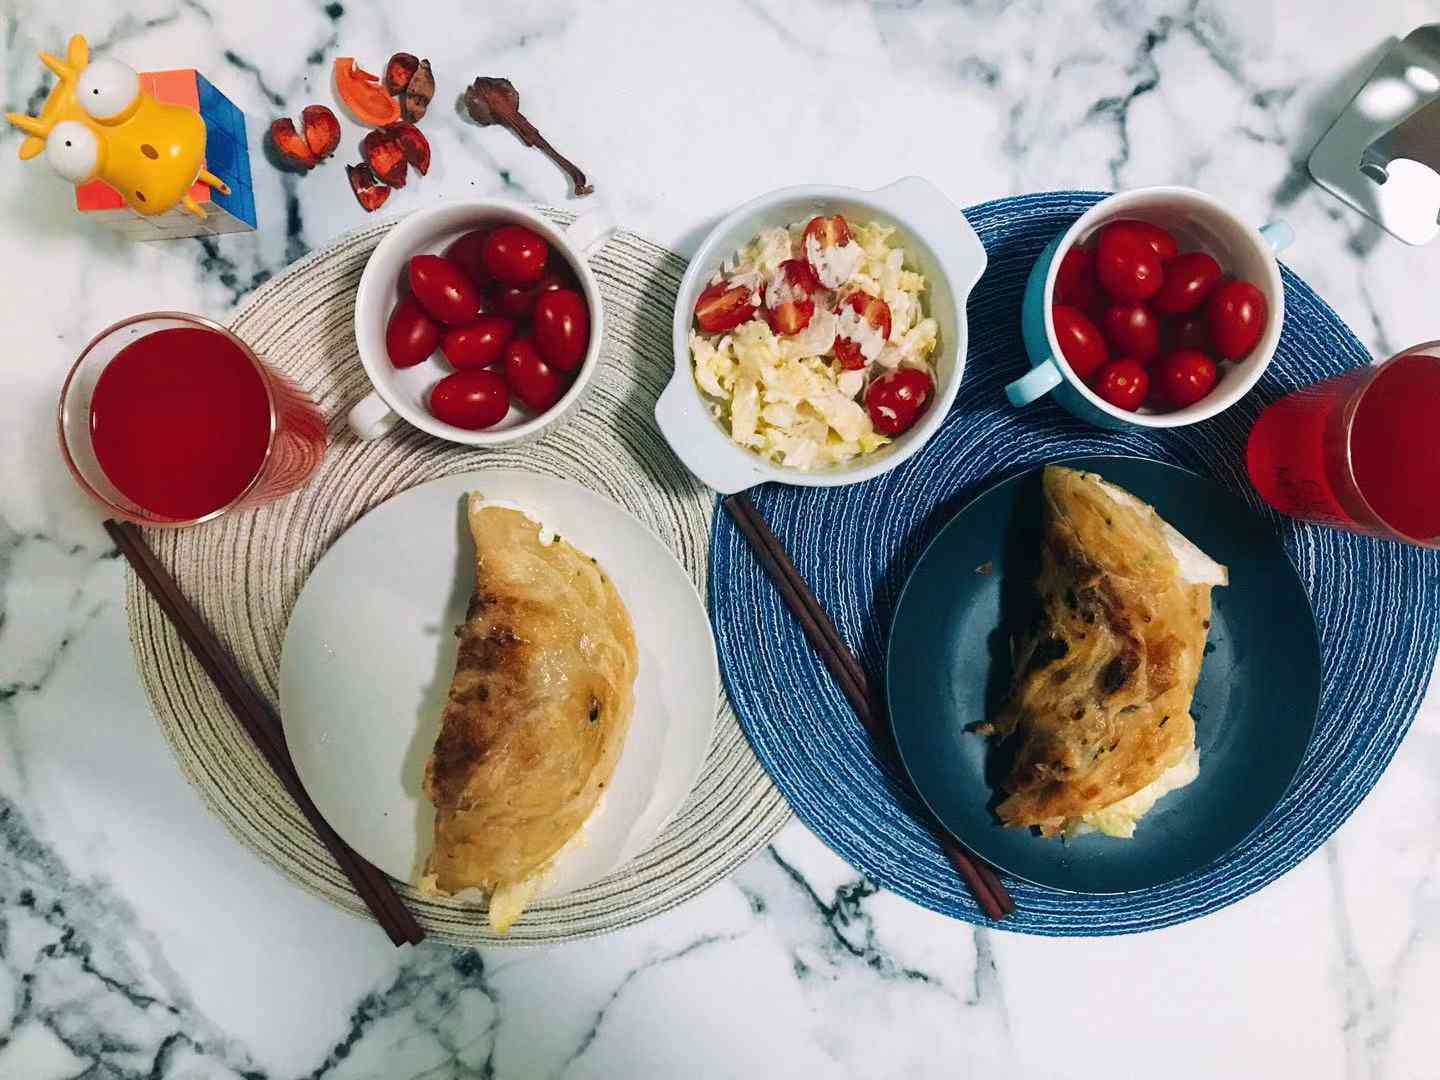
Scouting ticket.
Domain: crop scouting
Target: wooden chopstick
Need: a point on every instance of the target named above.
(850, 676)
(262, 724)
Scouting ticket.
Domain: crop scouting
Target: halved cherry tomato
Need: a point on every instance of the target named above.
(1235, 315)
(531, 379)
(1189, 280)
(467, 252)
(1075, 282)
(410, 335)
(1123, 383)
(876, 313)
(364, 94)
(480, 344)
(826, 233)
(562, 328)
(724, 306)
(1131, 329)
(516, 255)
(470, 399)
(443, 290)
(1184, 377)
(1126, 263)
(895, 401)
(1080, 342)
(788, 303)
(1160, 241)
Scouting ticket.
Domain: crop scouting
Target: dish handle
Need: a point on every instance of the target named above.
(929, 213)
(698, 443)
(371, 417)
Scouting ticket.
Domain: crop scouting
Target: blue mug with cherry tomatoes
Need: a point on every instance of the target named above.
(1197, 222)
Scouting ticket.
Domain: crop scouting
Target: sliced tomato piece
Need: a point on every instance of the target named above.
(876, 313)
(364, 94)
(788, 303)
(723, 307)
(828, 232)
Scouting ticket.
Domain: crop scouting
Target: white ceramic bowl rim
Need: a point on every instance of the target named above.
(926, 219)
(1216, 402)
(375, 288)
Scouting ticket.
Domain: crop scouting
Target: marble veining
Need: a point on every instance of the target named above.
(138, 939)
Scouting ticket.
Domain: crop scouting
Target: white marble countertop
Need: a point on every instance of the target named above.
(137, 938)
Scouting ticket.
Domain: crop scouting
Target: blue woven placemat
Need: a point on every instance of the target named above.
(1377, 604)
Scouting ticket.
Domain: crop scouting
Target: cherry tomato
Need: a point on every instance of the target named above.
(518, 301)
(480, 344)
(443, 290)
(788, 304)
(895, 401)
(1131, 329)
(1184, 377)
(723, 307)
(1080, 342)
(1189, 279)
(1126, 264)
(1235, 315)
(470, 400)
(1160, 241)
(411, 335)
(531, 379)
(876, 313)
(1075, 282)
(468, 253)
(1123, 383)
(826, 232)
(562, 328)
(515, 255)
(1185, 332)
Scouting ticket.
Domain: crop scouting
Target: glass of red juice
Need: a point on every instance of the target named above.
(1360, 451)
(169, 419)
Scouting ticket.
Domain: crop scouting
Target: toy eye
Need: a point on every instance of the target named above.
(107, 88)
(73, 151)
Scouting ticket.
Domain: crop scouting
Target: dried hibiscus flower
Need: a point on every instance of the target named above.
(322, 130)
(292, 147)
(414, 144)
(399, 71)
(496, 101)
(370, 193)
(385, 156)
(419, 90)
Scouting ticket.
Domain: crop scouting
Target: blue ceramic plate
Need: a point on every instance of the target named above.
(1255, 705)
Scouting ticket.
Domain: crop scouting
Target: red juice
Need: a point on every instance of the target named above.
(1361, 450)
(180, 422)
(1395, 447)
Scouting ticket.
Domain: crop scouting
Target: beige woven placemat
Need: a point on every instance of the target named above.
(245, 571)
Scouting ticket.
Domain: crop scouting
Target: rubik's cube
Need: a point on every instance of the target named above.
(227, 155)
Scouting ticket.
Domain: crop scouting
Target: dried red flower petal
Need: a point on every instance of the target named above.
(322, 130)
(369, 192)
(414, 144)
(418, 93)
(399, 71)
(290, 145)
(385, 155)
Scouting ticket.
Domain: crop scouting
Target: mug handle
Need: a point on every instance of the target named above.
(590, 231)
(1278, 234)
(371, 417)
(1035, 383)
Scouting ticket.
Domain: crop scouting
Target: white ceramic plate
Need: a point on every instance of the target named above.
(369, 653)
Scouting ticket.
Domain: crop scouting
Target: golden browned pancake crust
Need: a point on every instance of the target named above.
(1101, 700)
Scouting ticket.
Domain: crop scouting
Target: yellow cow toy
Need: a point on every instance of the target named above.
(98, 123)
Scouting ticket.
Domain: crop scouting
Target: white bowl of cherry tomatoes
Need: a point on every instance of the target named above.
(478, 322)
(1157, 308)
